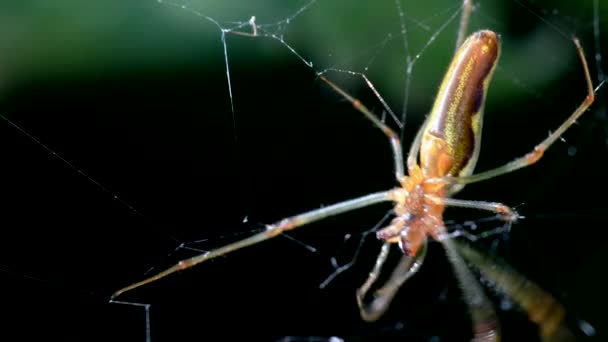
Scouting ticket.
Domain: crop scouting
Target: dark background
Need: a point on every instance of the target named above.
(134, 97)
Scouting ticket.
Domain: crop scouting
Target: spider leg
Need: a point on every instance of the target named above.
(485, 323)
(467, 8)
(412, 156)
(271, 231)
(504, 211)
(542, 308)
(392, 136)
(407, 267)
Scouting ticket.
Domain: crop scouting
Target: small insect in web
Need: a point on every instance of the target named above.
(439, 164)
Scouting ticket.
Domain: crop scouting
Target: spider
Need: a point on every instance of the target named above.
(439, 164)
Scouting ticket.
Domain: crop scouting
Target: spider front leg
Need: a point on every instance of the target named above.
(271, 231)
(505, 212)
(538, 151)
(392, 136)
(483, 315)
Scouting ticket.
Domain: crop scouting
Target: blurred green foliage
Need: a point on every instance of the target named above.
(42, 39)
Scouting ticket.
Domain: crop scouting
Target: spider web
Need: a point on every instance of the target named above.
(154, 148)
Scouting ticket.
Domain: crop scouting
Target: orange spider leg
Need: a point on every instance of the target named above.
(271, 231)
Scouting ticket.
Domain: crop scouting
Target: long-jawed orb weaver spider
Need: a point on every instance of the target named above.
(439, 163)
